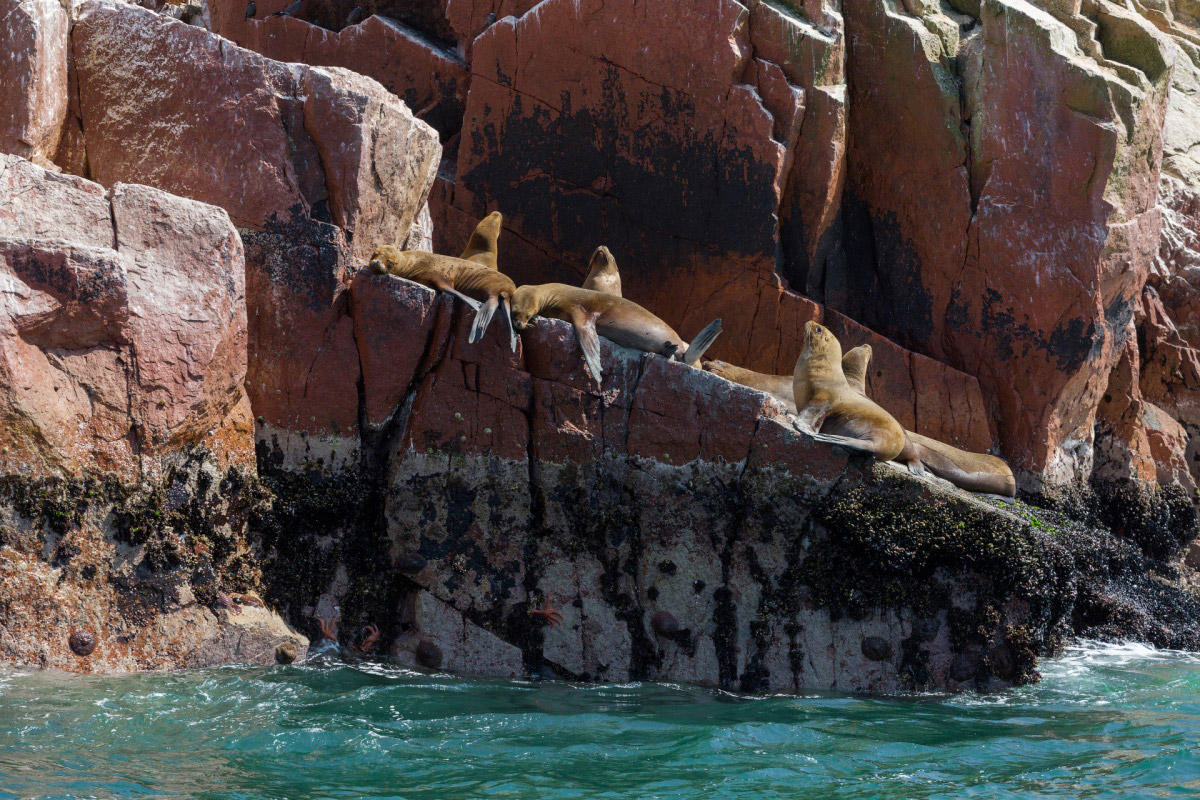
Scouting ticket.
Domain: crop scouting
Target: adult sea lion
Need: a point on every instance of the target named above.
(975, 472)
(480, 287)
(781, 387)
(602, 273)
(482, 247)
(830, 409)
(594, 314)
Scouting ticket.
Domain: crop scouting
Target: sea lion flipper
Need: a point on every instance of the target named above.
(915, 467)
(702, 342)
(483, 318)
(472, 302)
(589, 340)
(845, 441)
(512, 332)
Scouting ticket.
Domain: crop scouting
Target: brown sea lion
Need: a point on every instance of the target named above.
(602, 273)
(830, 409)
(594, 314)
(482, 248)
(975, 472)
(480, 287)
(781, 387)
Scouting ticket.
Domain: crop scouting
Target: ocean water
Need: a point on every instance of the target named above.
(1106, 721)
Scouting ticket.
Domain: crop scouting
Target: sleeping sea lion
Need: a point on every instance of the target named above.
(468, 280)
(594, 314)
(602, 273)
(830, 409)
(482, 248)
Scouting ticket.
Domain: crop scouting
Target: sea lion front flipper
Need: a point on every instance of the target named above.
(589, 340)
(916, 467)
(512, 332)
(483, 318)
(702, 342)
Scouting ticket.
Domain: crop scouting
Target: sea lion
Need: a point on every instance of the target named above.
(594, 314)
(781, 387)
(468, 280)
(482, 247)
(602, 273)
(830, 409)
(975, 472)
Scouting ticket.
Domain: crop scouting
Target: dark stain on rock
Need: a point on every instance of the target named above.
(428, 654)
(876, 648)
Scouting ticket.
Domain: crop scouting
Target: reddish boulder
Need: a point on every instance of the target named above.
(125, 341)
(316, 166)
(33, 77)
(1006, 269)
(429, 78)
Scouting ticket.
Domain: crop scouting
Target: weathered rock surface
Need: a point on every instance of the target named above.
(902, 165)
(497, 482)
(315, 166)
(891, 171)
(33, 77)
(127, 443)
(123, 328)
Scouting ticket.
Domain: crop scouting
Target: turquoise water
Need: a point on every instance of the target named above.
(1107, 721)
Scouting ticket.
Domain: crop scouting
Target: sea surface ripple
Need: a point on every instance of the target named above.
(1119, 721)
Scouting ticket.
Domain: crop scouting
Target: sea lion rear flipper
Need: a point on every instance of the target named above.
(483, 317)
(845, 441)
(512, 332)
(589, 340)
(472, 302)
(702, 342)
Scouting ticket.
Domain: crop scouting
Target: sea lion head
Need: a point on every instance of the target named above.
(489, 226)
(388, 259)
(525, 306)
(854, 366)
(602, 258)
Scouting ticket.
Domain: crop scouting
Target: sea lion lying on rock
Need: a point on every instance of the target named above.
(594, 314)
(480, 287)
(602, 273)
(830, 410)
(975, 472)
(781, 386)
(483, 246)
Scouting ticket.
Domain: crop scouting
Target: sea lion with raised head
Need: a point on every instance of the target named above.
(975, 472)
(830, 409)
(483, 246)
(602, 273)
(594, 314)
(781, 387)
(481, 288)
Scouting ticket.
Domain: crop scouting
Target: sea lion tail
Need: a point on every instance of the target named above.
(506, 302)
(702, 342)
(483, 318)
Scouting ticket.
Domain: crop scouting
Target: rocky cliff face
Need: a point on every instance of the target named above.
(207, 398)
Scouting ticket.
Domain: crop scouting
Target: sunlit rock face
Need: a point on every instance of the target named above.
(209, 398)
